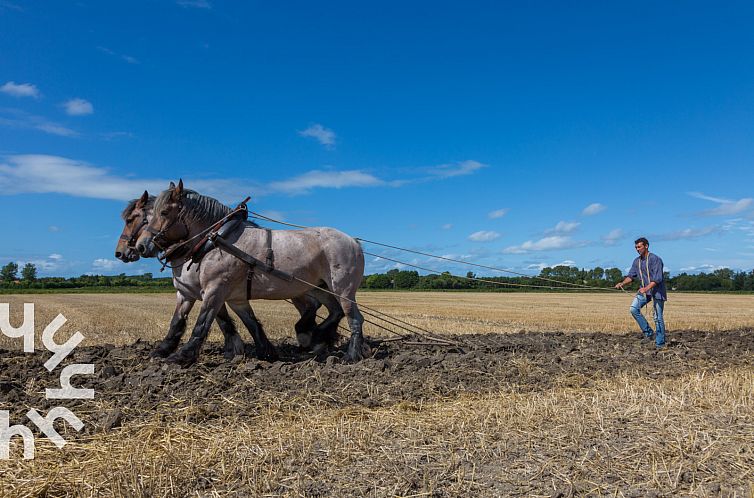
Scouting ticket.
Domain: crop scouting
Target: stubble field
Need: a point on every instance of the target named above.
(538, 395)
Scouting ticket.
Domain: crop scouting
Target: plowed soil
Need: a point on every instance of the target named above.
(135, 386)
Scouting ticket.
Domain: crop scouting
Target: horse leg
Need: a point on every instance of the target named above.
(326, 333)
(307, 307)
(233, 343)
(188, 354)
(265, 349)
(357, 349)
(177, 327)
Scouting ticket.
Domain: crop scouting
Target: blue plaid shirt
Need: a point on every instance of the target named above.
(656, 269)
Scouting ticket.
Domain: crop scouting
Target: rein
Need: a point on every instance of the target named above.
(172, 252)
(131, 240)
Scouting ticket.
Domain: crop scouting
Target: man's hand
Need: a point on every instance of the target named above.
(619, 285)
(643, 290)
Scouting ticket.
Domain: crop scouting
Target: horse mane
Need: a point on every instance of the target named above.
(197, 208)
(132, 204)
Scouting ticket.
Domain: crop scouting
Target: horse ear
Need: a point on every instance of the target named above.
(144, 198)
(171, 186)
(178, 191)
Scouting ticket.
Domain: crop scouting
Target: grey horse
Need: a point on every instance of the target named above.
(136, 217)
(322, 262)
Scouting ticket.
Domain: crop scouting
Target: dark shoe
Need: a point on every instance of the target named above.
(660, 346)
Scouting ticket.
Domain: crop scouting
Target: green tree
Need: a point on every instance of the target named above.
(378, 281)
(405, 279)
(613, 275)
(9, 272)
(29, 272)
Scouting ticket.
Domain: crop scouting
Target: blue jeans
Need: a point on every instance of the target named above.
(659, 306)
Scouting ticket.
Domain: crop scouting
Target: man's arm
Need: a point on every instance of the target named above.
(632, 274)
(623, 282)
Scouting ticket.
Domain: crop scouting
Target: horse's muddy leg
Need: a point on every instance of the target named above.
(357, 348)
(177, 328)
(264, 348)
(234, 345)
(307, 307)
(326, 333)
(189, 353)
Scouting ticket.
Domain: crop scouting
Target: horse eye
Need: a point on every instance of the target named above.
(165, 212)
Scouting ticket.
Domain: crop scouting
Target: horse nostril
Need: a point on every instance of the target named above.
(141, 249)
(118, 254)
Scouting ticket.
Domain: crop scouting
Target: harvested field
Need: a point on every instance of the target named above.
(541, 395)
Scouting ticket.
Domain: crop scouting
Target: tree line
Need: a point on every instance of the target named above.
(27, 279)
(725, 280)
(719, 280)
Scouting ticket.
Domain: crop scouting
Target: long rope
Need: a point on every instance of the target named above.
(572, 284)
(476, 279)
(345, 329)
(424, 332)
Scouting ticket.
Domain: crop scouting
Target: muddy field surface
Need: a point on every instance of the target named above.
(130, 386)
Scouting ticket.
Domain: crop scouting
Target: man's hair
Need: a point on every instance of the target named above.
(643, 240)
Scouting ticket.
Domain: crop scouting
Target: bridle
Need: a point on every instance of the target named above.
(158, 239)
(131, 239)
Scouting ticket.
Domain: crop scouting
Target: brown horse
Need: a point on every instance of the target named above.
(136, 216)
(323, 262)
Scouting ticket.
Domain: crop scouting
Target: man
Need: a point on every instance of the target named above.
(648, 268)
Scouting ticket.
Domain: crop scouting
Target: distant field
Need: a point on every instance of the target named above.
(545, 395)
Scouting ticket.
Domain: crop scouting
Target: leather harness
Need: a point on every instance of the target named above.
(217, 239)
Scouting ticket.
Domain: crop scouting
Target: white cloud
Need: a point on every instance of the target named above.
(593, 209)
(323, 135)
(53, 228)
(613, 237)
(56, 129)
(19, 89)
(102, 264)
(563, 228)
(78, 107)
(4, 4)
(727, 207)
(325, 179)
(498, 213)
(44, 174)
(51, 263)
(447, 226)
(461, 168)
(550, 243)
(113, 53)
(15, 118)
(484, 236)
(687, 233)
(196, 4)
(702, 268)
(54, 174)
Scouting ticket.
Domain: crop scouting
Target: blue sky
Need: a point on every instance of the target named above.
(514, 134)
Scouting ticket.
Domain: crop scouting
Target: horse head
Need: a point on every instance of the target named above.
(167, 225)
(136, 217)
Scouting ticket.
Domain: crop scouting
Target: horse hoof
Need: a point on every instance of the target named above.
(267, 354)
(159, 353)
(357, 350)
(181, 359)
(304, 339)
(319, 348)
